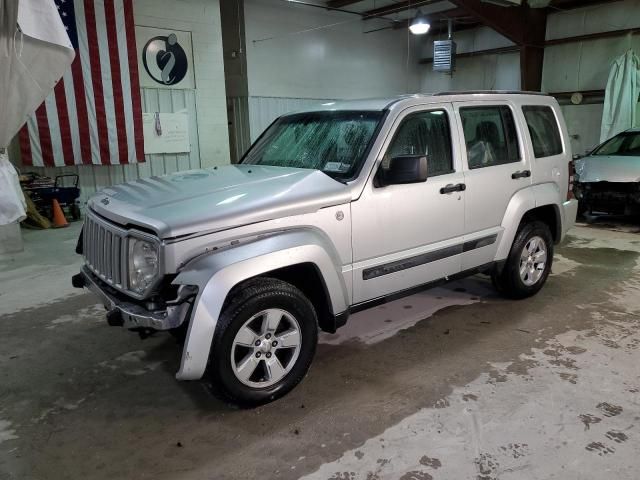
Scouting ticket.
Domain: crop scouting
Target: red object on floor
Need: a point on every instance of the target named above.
(59, 219)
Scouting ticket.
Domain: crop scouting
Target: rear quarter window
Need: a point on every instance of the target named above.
(544, 131)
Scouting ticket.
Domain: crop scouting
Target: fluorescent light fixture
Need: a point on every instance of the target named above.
(419, 25)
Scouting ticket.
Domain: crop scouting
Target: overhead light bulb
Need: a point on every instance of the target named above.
(419, 25)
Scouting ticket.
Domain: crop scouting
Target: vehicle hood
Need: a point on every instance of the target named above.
(608, 168)
(217, 198)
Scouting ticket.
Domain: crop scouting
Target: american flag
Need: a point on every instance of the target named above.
(94, 114)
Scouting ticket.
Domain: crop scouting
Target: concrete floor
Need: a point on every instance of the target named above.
(454, 383)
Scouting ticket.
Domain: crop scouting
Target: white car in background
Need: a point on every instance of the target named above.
(608, 178)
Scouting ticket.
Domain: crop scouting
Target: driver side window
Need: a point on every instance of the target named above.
(424, 133)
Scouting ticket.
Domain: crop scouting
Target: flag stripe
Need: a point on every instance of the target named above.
(123, 57)
(94, 114)
(83, 77)
(107, 85)
(74, 126)
(134, 82)
(45, 136)
(116, 84)
(53, 127)
(96, 77)
(80, 98)
(25, 145)
(36, 148)
(63, 121)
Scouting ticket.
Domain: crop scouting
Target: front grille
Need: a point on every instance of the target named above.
(104, 250)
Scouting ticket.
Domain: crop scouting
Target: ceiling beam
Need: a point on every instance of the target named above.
(440, 25)
(453, 14)
(341, 3)
(531, 63)
(593, 36)
(557, 5)
(522, 25)
(398, 7)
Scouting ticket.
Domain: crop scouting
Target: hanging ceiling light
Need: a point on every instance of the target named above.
(419, 25)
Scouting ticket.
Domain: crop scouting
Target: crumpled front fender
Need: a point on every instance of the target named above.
(215, 274)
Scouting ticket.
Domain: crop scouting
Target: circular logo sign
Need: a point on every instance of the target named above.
(165, 60)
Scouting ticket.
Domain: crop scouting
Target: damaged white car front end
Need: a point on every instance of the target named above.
(608, 179)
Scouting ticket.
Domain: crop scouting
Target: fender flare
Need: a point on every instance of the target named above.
(550, 194)
(522, 202)
(215, 274)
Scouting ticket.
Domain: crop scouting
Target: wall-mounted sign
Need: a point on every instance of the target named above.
(165, 58)
(165, 133)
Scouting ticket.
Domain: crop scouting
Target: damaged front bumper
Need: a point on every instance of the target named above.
(130, 314)
(612, 197)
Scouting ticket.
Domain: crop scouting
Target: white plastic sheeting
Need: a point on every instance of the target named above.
(621, 96)
(12, 203)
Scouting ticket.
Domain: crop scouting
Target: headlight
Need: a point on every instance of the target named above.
(143, 264)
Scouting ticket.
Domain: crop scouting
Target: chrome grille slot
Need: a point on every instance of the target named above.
(104, 248)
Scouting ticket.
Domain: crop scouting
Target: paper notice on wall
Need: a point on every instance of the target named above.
(165, 133)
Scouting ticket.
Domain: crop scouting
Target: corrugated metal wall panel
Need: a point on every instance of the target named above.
(264, 110)
(96, 177)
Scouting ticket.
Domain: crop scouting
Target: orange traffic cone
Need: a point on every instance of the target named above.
(59, 219)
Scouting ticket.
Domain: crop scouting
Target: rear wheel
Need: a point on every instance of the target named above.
(264, 343)
(529, 262)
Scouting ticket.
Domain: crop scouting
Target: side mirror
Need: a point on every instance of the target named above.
(404, 169)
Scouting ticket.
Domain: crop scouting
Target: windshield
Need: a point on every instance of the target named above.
(334, 142)
(625, 143)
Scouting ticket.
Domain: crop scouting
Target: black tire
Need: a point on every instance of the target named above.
(245, 301)
(508, 281)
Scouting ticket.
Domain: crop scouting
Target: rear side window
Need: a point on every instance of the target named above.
(543, 128)
(424, 133)
(490, 135)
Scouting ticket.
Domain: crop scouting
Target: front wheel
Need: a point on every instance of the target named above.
(529, 262)
(264, 342)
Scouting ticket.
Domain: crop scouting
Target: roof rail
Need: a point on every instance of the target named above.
(497, 92)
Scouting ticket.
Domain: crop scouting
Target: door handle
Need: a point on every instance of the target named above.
(460, 187)
(522, 174)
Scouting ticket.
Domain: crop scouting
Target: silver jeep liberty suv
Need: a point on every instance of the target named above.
(331, 211)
